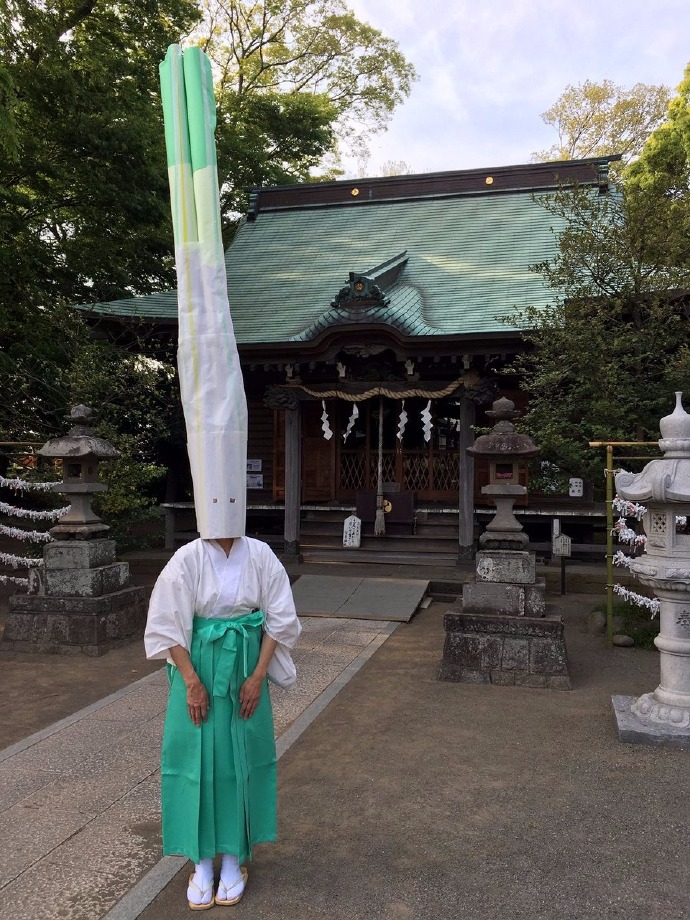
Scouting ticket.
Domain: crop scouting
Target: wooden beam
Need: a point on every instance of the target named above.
(293, 483)
(466, 481)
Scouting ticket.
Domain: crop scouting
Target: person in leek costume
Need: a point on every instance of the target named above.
(221, 611)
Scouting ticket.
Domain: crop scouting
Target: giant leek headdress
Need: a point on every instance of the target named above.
(213, 399)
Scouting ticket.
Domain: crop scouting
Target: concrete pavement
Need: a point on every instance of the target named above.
(404, 798)
(409, 798)
(79, 800)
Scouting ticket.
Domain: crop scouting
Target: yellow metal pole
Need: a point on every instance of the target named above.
(609, 545)
(609, 445)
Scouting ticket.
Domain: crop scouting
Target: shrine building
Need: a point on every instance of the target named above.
(372, 318)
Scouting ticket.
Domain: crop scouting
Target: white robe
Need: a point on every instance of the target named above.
(200, 581)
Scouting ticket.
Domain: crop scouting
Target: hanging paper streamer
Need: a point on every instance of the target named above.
(351, 422)
(325, 425)
(426, 421)
(402, 422)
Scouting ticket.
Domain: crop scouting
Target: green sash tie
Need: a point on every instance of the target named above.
(233, 632)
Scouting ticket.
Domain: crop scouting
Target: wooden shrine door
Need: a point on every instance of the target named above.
(318, 455)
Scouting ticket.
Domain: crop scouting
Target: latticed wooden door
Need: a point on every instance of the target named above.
(428, 469)
(318, 455)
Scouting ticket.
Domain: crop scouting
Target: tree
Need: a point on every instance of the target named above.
(268, 139)
(664, 163)
(604, 359)
(318, 47)
(84, 199)
(597, 119)
(83, 193)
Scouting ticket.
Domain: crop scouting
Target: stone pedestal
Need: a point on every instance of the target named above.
(525, 651)
(640, 721)
(513, 600)
(79, 600)
(500, 634)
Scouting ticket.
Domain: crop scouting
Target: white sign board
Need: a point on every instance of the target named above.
(352, 532)
(576, 487)
(255, 480)
(561, 545)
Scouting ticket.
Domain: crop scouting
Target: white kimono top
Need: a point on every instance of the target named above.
(199, 580)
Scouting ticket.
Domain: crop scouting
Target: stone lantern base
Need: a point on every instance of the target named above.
(520, 651)
(79, 600)
(638, 722)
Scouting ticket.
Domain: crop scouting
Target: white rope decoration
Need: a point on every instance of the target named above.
(12, 580)
(12, 511)
(620, 558)
(17, 562)
(21, 485)
(35, 536)
(351, 422)
(627, 535)
(651, 603)
(628, 509)
(380, 517)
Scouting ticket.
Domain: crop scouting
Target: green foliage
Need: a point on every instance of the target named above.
(130, 505)
(84, 199)
(319, 47)
(637, 622)
(269, 138)
(664, 165)
(133, 395)
(83, 194)
(605, 358)
(601, 119)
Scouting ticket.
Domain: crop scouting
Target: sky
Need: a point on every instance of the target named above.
(489, 68)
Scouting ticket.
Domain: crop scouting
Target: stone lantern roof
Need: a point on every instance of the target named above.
(666, 479)
(503, 441)
(80, 441)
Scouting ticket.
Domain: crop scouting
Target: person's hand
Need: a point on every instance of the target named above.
(197, 701)
(250, 694)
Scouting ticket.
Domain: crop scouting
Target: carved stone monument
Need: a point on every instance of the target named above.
(663, 486)
(500, 632)
(79, 598)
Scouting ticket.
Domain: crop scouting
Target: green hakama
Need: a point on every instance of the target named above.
(218, 781)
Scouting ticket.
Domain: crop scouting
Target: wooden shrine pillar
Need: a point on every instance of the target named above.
(466, 481)
(293, 483)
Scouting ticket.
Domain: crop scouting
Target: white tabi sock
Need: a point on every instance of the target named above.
(200, 890)
(230, 873)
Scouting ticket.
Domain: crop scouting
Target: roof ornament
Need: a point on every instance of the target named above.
(360, 289)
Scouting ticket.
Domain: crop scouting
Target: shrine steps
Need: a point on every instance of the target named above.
(433, 541)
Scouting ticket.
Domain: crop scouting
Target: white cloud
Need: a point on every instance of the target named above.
(488, 68)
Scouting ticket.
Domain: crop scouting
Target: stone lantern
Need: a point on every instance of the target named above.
(79, 598)
(663, 487)
(80, 451)
(501, 632)
(504, 448)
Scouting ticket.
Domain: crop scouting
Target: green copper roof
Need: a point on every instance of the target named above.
(462, 262)
(468, 264)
